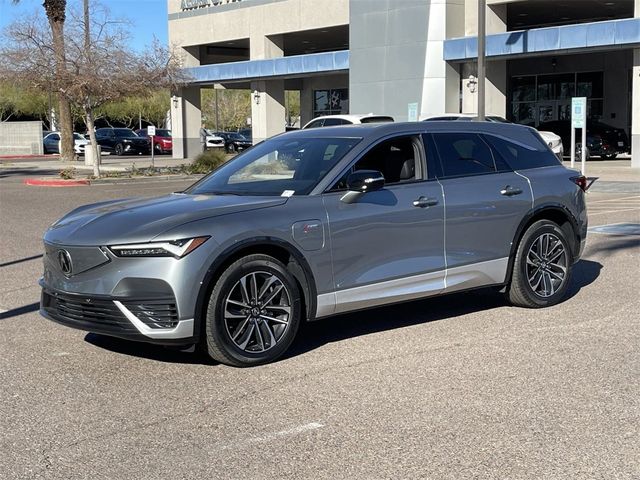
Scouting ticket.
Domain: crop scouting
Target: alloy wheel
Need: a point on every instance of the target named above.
(257, 311)
(546, 266)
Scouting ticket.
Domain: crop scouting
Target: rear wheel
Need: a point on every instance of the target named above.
(542, 267)
(610, 156)
(254, 312)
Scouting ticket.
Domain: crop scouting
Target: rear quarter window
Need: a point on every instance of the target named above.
(520, 156)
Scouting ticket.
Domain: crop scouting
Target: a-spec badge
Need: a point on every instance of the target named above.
(309, 234)
(64, 260)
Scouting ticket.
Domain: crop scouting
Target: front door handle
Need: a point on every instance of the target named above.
(509, 191)
(424, 202)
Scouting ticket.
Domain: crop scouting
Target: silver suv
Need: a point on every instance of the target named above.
(318, 222)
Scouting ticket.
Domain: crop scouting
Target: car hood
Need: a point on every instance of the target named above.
(142, 219)
(549, 136)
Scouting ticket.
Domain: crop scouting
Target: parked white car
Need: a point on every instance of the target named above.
(335, 120)
(213, 141)
(51, 142)
(554, 141)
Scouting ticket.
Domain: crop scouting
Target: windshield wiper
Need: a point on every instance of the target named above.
(216, 192)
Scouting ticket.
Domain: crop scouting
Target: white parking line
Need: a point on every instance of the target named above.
(613, 211)
(272, 436)
(614, 199)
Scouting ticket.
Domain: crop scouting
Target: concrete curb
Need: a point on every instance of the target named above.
(59, 182)
(162, 178)
(55, 182)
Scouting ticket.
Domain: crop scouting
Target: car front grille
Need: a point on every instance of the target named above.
(155, 313)
(102, 314)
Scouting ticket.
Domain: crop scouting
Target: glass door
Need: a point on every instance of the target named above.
(547, 112)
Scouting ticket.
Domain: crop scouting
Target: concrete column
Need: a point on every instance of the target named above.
(186, 117)
(262, 47)
(267, 112)
(635, 107)
(186, 120)
(496, 85)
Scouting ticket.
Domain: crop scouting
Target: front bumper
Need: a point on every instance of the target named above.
(152, 320)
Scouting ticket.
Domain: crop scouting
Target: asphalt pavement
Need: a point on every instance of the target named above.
(458, 387)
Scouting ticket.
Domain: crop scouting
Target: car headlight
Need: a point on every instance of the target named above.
(175, 248)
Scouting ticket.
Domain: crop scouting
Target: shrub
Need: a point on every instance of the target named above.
(208, 160)
(68, 173)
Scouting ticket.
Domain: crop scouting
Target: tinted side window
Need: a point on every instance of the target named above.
(520, 157)
(332, 122)
(316, 124)
(463, 154)
(398, 159)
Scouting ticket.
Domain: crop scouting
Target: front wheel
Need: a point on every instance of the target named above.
(610, 156)
(119, 150)
(231, 148)
(254, 312)
(542, 267)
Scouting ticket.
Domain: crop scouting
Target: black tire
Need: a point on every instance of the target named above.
(610, 156)
(520, 292)
(231, 148)
(220, 343)
(119, 149)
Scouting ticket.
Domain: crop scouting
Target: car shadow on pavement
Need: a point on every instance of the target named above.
(341, 327)
(147, 350)
(27, 171)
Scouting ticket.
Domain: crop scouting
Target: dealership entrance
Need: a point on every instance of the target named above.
(540, 89)
(537, 99)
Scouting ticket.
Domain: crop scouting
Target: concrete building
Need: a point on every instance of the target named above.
(409, 59)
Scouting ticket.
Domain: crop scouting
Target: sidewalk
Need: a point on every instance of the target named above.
(109, 163)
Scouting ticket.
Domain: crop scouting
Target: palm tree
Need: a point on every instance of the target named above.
(56, 14)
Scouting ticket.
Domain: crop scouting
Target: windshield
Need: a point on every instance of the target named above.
(163, 133)
(236, 136)
(77, 136)
(124, 132)
(279, 166)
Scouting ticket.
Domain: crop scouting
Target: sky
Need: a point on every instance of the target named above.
(148, 18)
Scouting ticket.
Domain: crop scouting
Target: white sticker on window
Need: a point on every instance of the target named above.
(288, 193)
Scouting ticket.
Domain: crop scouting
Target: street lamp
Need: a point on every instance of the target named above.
(482, 74)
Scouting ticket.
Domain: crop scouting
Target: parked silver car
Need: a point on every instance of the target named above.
(317, 222)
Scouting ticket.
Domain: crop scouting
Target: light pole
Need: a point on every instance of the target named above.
(482, 72)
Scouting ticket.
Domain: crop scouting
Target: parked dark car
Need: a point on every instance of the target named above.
(234, 142)
(121, 141)
(246, 133)
(603, 140)
(162, 140)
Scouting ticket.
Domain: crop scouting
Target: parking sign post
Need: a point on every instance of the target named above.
(151, 132)
(579, 120)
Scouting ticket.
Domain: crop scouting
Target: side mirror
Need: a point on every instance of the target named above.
(361, 182)
(364, 181)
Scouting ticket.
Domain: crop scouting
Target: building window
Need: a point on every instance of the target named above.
(330, 102)
(537, 99)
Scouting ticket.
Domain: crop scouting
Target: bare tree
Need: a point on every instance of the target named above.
(100, 67)
(56, 15)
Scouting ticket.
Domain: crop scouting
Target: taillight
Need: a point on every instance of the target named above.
(580, 181)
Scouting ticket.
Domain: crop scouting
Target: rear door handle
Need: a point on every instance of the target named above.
(424, 202)
(510, 191)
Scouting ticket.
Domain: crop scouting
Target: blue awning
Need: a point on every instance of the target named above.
(565, 39)
(274, 67)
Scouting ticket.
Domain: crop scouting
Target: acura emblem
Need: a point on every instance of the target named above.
(64, 259)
